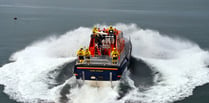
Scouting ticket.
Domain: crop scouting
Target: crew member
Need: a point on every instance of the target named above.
(115, 31)
(111, 33)
(87, 55)
(104, 30)
(114, 55)
(98, 29)
(98, 36)
(94, 30)
(80, 55)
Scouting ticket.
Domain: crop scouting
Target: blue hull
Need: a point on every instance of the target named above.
(107, 73)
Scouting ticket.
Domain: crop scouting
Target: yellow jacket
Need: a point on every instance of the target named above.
(87, 53)
(94, 30)
(80, 53)
(115, 53)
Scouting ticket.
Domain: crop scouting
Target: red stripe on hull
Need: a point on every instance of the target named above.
(97, 68)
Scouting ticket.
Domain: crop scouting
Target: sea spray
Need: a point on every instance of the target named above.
(181, 63)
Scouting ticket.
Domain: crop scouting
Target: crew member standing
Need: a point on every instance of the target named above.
(98, 36)
(111, 33)
(114, 55)
(94, 30)
(80, 55)
(87, 55)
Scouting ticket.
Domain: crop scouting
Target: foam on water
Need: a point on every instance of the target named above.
(25, 79)
(181, 64)
(88, 94)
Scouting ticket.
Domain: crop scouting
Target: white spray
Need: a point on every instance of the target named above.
(181, 63)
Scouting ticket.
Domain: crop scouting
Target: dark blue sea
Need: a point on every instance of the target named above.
(39, 40)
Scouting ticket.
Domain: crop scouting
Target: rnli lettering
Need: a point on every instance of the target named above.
(96, 70)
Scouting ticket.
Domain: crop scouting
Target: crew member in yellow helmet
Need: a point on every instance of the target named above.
(94, 30)
(80, 55)
(114, 55)
(111, 33)
(111, 30)
(87, 55)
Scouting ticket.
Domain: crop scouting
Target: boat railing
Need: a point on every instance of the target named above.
(97, 60)
(104, 59)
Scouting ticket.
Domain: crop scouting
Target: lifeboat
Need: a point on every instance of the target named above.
(102, 66)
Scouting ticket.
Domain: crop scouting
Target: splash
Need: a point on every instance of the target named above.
(181, 63)
(26, 78)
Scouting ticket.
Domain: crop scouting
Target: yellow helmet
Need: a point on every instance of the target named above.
(114, 48)
(110, 26)
(94, 27)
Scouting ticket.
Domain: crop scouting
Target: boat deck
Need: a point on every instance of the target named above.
(105, 60)
(100, 60)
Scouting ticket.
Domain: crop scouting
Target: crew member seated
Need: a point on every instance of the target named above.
(80, 55)
(114, 55)
(87, 55)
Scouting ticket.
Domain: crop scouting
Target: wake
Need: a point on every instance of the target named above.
(181, 66)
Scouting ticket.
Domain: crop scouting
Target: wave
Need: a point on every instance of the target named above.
(182, 66)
